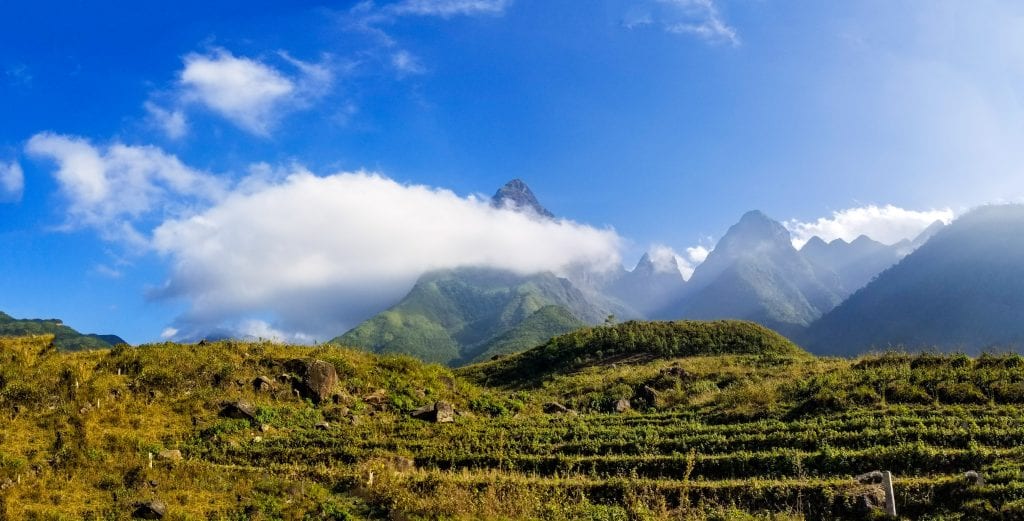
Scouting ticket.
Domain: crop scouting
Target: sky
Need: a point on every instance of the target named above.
(286, 169)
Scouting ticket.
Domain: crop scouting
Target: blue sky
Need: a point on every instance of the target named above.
(194, 166)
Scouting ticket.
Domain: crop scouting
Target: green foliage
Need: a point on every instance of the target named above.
(642, 340)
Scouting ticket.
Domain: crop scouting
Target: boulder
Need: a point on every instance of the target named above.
(170, 455)
(240, 410)
(622, 406)
(869, 478)
(263, 384)
(322, 426)
(316, 378)
(973, 478)
(154, 509)
(648, 395)
(437, 412)
(556, 408)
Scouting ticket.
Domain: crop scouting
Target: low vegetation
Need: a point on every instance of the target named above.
(634, 421)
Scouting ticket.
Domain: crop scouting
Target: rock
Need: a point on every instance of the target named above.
(438, 412)
(263, 384)
(377, 398)
(870, 499)
(264, 427)
(444, 412)
(322, 426)
(317, 378)
(622, 406)
(676, 371)
(556, 408)
(973, 478)
(154, 509)
(648, 395)
(240, 410)
(170, 455)
(870, 478)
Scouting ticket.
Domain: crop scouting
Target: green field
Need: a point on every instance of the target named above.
(741, 424)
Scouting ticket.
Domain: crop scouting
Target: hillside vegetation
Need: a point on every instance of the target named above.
(723, 421)
(65, 338)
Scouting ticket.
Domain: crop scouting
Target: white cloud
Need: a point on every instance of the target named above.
(405, 63)
(111, 188)
(448, 8)
(700, 18)
(251, 94)
(320, 254)
(172, 122)
(887, 224)
(12, 182)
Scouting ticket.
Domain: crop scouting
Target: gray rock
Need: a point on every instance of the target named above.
(622, 406)
(973, 478)
(556, 408)
(263, 384)
(316, 378)
(170, 455)
(323, 426)
(154, 509)
(240, 410)
(437, 412)
(648, 395)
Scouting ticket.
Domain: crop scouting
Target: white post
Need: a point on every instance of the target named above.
(890, 497)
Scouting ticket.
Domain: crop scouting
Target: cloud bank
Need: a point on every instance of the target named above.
(320, 254)
(887, 224)
(12, 182)
(113, 188)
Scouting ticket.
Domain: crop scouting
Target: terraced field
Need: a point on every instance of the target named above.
(757, 429)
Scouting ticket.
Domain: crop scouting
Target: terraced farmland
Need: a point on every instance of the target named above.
(738, 434)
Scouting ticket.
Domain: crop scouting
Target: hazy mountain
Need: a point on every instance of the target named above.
(962, 289)
(650, 288)
(457, 315)
(755, 273)
(855, 263)
(516, 194)
(65, 338)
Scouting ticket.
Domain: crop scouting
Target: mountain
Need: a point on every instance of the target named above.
(533, 331)
(515, 194)
(855, 263)
(65, 338)
(754, 273)
(650, 288)
(963, 289)
(456, 315)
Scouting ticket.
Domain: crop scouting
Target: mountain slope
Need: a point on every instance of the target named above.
(962, 289)
(650, 287)
(536, 329)
(455, 315)
(855, 263)
(65, 338)
(754, 273)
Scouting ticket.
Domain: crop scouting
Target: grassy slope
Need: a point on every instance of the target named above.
(536, 329)
(65, 338)
(455, 315)
(744, 426)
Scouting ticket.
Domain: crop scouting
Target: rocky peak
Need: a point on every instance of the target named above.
(516, 194)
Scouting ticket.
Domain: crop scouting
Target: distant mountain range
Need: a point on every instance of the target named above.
(963, 289)
(754, 273)
(65, 338)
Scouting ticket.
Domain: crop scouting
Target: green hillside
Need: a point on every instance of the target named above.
(458, 315)
(65, 338)
(634, 342)
(732, 423)
(536, 329)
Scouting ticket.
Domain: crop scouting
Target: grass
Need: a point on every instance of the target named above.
(738, 433)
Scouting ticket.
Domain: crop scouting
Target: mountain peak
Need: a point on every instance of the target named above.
(755, 228)
(516, 194)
